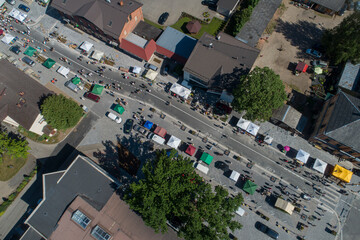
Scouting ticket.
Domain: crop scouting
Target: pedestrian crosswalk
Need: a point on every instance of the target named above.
(331, 197)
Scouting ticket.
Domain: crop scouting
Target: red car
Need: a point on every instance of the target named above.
(92, 96)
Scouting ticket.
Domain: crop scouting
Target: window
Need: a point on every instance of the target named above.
(80, 219)
(110, 23)
(99, 233)
(130, 17)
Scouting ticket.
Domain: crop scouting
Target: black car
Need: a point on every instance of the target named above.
(221, 165)
(128, 125)
(265, 229)
(210, 3)
(15, 49)
(163, 18)
(166, 70)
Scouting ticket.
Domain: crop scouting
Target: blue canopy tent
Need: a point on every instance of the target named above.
(148, 125)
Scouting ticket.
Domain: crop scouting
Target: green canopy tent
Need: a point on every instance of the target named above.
(49, 63)
(75, 80)
(118, 108)
(97, 89)
(250, 187)
(206, 158)
(30, 51)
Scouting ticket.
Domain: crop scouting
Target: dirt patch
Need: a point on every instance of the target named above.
(296, 30)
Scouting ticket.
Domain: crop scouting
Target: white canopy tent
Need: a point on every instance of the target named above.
(180, 90)
(63, 71)
(86, 46)
(150, 74)
(253, 129)
(97, 55)
(234, 176)
(174, 142)
(20, 16)
(7, 38)
(240, 212)
(202, 168)
(268, 140)
(320, 166)
(284, 205)
(243, 123)
(302, 156)
(136, 70)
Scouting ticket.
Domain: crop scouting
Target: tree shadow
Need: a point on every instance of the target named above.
(228, 81)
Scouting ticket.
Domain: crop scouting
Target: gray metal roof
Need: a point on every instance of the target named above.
(135, 39)
(260, 18)
(344, 123)
(82, 178)
(176, 42)
(227, 4)
(31, 234)
(350, 77)
(334, 5)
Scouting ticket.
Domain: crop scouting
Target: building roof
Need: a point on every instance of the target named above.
(100, 12)
(31, 234)
(14, 83)
(176, 42)
(260, 18)
(290, 116)
(344, 123)
(227, 4)
(83, 178)
(147, 31)
(215, 58)
(116, 218)
(334, 5)
(143, 53)
(350, 77)
(193, 26)
(135, 39)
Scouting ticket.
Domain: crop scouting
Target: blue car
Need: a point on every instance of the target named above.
(24, 8)
(313, 53)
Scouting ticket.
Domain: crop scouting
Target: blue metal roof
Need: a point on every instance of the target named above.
(176, 42)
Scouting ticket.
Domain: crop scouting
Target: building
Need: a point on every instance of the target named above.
(81, 202)
(217, 62)
(108, 20)
(350, 79)
(338, 127)
(226, 7)
(289, 119)
(327, 6)
(19, 98)
(175, 45)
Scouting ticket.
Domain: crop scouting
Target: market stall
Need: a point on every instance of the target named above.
(30, 51)
(63, 71)
(174, 142)
(302, 156)
(284, 205)
(206, 158)
(150, 74)
(250, 187)
(18, 15)
(97, 55)
(342, 173)
(243, 123)
(136, 70)
(8, 38)
(234, 175)
(160, 131)
(49, 63)
(86, 46)
(190, 150)
(180, 90)
(252, 129)
(97, 89)
(148, 125)
(119, 109)
(320, 166)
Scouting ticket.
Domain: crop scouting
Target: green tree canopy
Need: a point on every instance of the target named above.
(13, 147)
(172, 190)
(61, 112)
(342, 43)
(259, 93)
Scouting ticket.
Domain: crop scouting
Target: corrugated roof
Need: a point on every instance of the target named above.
(344, 123)
(176, 42)
(100, 12)
(334, 5)
(350, 77)
(287, 115)
(227, 4)
(135, 39)
(143, 53)
(31, 234)
(147, 31)
(23, 109)
(83, 178)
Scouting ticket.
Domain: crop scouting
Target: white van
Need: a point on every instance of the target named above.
(202, 168)
(158, 139)
(113, 117)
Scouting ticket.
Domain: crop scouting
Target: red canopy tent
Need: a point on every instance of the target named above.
(160, 131)
(301, 67)
(1, 32)
(190, 150)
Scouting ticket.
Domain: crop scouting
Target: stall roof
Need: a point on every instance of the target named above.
(190, 150)
(118, 108)
(250, 187)
(150, 74)
(18, 15)
(136, 70)
(86, 46)
(97, 89)
(206, 158)
(160, 131)
(148, 124)
(234, 175)
(320, 165)
(268, 139)
(240, 212)
(49, 63)
(75, 80)
(174, 142)
(97, 55)
(180, 90)
(302, 156)
(30, 51)
(7, 38)
(284, 205)
(301, 67)
(63, 71)
(252, 129)
(243, 123)
(342, 173)
(202, 168)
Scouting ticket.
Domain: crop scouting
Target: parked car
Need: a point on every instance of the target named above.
(28, 61)
(166, 70)
(11, 2)
(210, 3)
(313, 53)
(15, 49)
(92, 97)
(128, 125)
(221, 165)
(150, 66)
(318, 63)
(306, 196)
(163, 18)
(73, 87)
(114, 117)
(265, 229)
(140, 129)
(24, 8)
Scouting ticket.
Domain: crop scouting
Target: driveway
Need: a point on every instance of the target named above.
(153, 9)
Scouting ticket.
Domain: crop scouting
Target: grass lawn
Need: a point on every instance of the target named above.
(6, 172)
(210, 28)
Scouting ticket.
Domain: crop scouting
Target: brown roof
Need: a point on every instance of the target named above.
(213, 59)
(14, 83)
(193, 26)
(227, 4)
(288, 115)
(100, 12)
(116, 218)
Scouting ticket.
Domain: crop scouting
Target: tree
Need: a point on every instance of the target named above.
(171, 190)
(342, 43)
(259, 93)
(61, 112)
(15, 148)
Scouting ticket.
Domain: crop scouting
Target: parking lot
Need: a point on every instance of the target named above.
(297, 30)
